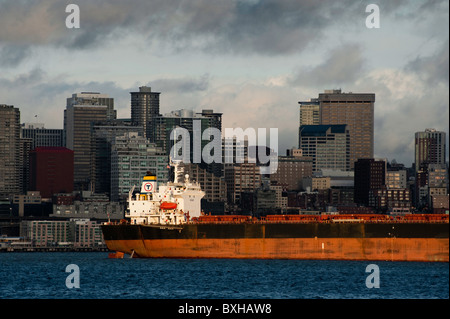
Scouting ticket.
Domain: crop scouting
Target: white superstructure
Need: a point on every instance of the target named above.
(171, 204)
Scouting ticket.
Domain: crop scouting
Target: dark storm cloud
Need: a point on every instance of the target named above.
(182, 85)
(266, 27)
(433, 69)
(47, 94)
(13, 55)
(342, 65)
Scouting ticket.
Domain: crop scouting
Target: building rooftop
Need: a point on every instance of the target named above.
(318, 130)
(52, 149)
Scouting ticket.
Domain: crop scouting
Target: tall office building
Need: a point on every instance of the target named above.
(41, 136)
(103, 135)
(356, 110)
(82, 110)
(196, 124)
(370, 175)
(291, 170)
(51, 170)
(131, 157)
(327, 145)
(429, 148)
(10, 148)
(244, 177)
(144, 108)
(309, 112)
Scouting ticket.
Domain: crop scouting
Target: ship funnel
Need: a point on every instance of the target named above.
(149, 183)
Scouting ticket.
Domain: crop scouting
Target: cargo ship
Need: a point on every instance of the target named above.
(167, 222)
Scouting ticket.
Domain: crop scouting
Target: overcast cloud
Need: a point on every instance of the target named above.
(252, 60)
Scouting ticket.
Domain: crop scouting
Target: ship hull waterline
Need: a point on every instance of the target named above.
(327, 242)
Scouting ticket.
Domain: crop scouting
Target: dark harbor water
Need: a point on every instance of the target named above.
(43, 276)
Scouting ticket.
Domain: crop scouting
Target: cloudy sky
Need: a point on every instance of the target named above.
(253, 60)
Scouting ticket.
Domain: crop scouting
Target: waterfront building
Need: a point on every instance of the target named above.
(73, 233)
(46, 233)
(89, 205)
(87, 233)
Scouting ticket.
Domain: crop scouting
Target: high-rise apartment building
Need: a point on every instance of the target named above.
(356, 110)
(144, 108)
(327, 145)
(82, 110)
(429, 147)
(10, 148)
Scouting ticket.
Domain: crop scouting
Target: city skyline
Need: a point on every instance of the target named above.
(250, 60)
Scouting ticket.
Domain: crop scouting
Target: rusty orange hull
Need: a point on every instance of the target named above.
(332, 242)
(393, 249)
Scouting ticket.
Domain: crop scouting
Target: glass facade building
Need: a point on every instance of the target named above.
(131, 157)
(327, 145)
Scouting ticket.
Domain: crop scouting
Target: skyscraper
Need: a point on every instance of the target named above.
(10, 160)
(370, 175)
(429, 148)
(327, 145)
(131, 157)
(103, 134)
(291, 170)
(51, 170)
(82, 110)
(356, 110)
(196, 124)
(41, 136)
(144, 108)
(310, 112)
